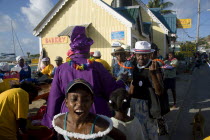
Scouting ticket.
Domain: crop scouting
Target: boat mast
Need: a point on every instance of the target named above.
(13, 32)
(13, 39)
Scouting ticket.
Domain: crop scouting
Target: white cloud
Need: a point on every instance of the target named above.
(26, 41)
(188, 8)
(5, 23)
(6, 45)
(36, 10)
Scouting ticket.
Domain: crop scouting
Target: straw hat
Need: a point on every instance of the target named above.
(143, 47)
(116, 44)
(126, 48)
(118, 50)
(58, 58)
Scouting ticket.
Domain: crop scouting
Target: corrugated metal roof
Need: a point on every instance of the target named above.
(130, 13)
(169, 20)
(68, 30)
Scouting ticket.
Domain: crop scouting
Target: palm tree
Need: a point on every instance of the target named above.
(160, 4)
(28, 53)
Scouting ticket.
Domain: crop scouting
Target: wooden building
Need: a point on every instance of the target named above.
(105, 24)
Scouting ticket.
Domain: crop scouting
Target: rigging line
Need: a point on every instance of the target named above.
(202, 23)
(13, 38)
(194, 14)
(19, 43)
(187, 33)
(13, 31)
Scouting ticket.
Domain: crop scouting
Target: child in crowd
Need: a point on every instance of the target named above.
(79, 123)
(130, 126)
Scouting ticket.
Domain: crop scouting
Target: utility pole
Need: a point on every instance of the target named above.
(198, 26)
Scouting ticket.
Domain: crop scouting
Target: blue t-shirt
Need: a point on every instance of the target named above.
(117, 69)
(25, 73)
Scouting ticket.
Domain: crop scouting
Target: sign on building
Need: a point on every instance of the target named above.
(118, 35)
(184, 23)
(54, 40)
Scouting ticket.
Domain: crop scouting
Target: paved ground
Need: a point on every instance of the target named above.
(182, 83)
(197, 98)
(193, 93)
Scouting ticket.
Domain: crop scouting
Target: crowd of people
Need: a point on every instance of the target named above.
(89, 99)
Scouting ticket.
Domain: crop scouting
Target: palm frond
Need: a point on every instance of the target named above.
(166, 11)
(166, 4)
(150, 4)
(157, 3)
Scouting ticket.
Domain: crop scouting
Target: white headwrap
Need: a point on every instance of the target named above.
(18, 58)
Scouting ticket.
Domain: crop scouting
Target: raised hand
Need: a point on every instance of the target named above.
(153, 66)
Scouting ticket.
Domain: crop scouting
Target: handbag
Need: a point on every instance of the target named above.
(154, 105)
(164, 103)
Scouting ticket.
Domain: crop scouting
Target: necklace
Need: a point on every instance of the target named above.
(144, 67)
(85, 66)
(83, 136)
(124, 66)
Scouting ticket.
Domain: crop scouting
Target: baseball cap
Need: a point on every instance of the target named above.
(97, 54)
(46, 59)
(79, 81)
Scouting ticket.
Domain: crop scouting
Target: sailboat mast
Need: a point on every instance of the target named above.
(19, 43)
(13, 39)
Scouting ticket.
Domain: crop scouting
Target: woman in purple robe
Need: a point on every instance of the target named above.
(79, 66)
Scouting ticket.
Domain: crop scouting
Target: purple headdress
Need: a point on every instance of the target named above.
(79, 41)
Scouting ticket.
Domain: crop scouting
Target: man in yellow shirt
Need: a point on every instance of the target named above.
(48, 68)
(207, 138)
(14, 104)
(97, 56)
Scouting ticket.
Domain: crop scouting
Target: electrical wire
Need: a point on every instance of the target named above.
(191, 17)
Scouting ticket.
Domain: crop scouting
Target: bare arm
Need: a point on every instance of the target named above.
(131, 89)
(158, 86)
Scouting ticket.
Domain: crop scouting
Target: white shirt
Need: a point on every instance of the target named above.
(131, 129)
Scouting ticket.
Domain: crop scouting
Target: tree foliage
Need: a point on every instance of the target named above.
(160, 4)
(34, 55)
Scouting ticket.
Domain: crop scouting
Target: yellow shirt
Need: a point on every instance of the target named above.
(48, 69)
(207, 138)
(14, 104)
(104, 63)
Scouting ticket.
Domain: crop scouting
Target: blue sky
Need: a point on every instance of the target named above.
(26, 14)
(189, 9)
